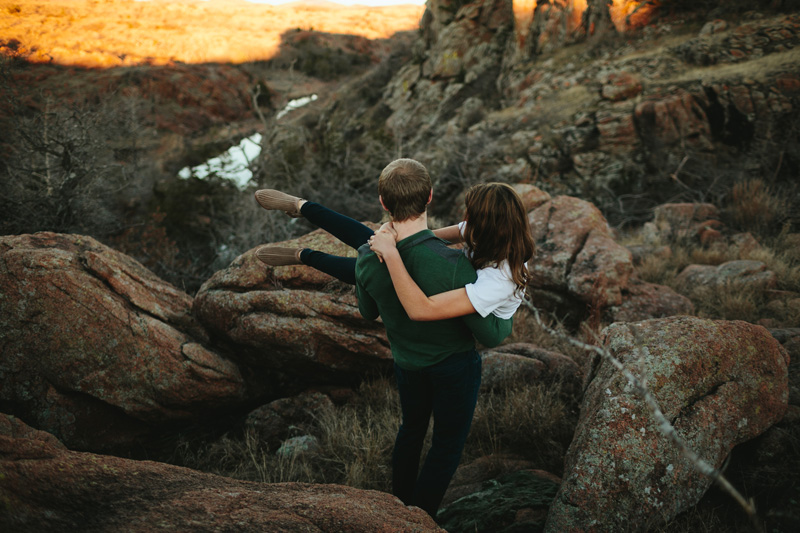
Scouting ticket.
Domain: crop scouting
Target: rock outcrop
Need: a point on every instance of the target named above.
(576, 253)
(731, 275)
(96, 349)
(643, 301)
(286, 418)
(599, 120)
(45, 487)
(719, 384)
(293, 321)
(519, 363)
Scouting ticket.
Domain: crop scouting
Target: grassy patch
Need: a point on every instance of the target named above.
(759, 69)
(527, 419)
(752, 204)
(531, 420)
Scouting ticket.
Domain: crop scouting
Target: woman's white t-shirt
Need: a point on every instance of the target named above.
(494, 291)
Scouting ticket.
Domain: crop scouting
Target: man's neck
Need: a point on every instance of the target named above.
(409, 227)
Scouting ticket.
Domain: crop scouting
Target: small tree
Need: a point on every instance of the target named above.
(67, 167)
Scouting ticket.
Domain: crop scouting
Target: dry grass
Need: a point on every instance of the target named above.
(753, 205)
(356, 445)
(760, 69)
(732, 303)
(532, 420)
(358, 438)
(527, 330)
(729, 303)
(663, 270)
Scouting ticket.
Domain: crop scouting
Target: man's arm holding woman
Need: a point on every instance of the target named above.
(417, 304)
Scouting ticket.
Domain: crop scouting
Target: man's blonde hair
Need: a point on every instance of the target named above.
(405, 188)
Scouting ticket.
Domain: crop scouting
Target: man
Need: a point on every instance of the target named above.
(437, 368)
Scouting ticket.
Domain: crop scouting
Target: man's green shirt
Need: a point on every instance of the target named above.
(436, 268)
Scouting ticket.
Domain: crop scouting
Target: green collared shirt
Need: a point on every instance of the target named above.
(436, 268)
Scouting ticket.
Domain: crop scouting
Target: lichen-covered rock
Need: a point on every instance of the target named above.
(96, 349)
(719, 383)
(288, 417)
(45, 487)
(516, 501)
(576, 253)
(682, 220)
(718, 43)
(460, 58)
(677, 118)
(527, 363)
(731, 275)
(293, 321)
(618, 86)
(642, 301)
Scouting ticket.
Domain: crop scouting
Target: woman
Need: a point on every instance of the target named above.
(498, 243)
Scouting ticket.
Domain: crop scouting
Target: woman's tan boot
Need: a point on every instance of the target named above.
(280, 201)
(276, 256)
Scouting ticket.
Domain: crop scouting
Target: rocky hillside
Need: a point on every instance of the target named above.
(643, 146)
(676, 101)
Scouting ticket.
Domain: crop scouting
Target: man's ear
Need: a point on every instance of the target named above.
(380, 199)
(430, 196)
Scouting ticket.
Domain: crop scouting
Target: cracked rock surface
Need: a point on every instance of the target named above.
(50, 488)
(293, 323)
(96, 349)
(719, 383)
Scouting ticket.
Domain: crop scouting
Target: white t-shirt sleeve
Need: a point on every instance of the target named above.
(494, 292)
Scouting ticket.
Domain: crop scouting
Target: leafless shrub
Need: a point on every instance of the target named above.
(63, 174)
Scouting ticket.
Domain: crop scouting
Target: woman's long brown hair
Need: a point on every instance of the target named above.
(498, 229)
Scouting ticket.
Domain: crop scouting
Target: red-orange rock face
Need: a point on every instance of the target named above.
(47, 487)
(719, 383)
(95, 348)
(293, 319)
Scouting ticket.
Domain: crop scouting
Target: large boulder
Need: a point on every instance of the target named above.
(576, 253)
(737, 274)
(642, 300)
(293, 323)
(96, 349)
(45, 487)
(295, 416)
(521, 362)
(719, 383)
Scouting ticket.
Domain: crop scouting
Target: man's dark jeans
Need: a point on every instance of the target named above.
(449, 390)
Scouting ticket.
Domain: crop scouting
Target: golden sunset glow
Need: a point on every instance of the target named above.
(638, 11)
(124, 32)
